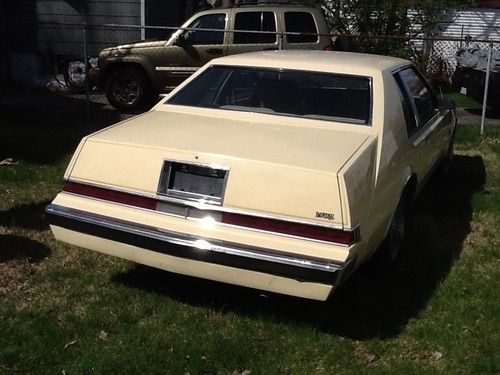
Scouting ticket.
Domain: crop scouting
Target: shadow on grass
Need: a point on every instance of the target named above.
(42, 126)
(491, 112)
(366, 306)
(17, 247)
(27, 216)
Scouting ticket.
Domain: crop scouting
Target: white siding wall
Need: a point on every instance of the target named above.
(475, 23)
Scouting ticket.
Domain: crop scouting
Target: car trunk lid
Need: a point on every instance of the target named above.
(273, 169)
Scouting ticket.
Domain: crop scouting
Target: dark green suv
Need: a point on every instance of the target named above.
(134, 74)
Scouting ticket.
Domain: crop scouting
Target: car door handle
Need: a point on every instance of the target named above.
(215, 51)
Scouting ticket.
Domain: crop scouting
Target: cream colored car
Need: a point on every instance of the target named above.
(281, 171)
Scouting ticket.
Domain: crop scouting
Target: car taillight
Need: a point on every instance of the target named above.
(290, 228)
(308, 231)
(110, 195)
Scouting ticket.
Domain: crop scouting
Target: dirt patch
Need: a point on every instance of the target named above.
(472, 116)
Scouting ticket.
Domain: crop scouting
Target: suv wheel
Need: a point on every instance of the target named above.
(74, 74)
(128, 89)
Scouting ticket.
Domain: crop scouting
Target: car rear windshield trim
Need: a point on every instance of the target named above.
(326, 96)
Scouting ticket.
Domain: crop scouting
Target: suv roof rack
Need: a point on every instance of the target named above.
(244, 2)
(238, 3)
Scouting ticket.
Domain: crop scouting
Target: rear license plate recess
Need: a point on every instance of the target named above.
(195, 182)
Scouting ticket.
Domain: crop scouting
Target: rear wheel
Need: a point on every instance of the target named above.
(445, 165)
(390, 249)
(396, 234)
(128, 89)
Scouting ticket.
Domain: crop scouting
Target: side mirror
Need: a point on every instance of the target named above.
(446, 104)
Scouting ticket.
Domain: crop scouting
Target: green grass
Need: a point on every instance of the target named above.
(462, 101)
(437, 311)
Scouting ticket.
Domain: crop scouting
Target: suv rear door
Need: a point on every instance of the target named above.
(252, 23)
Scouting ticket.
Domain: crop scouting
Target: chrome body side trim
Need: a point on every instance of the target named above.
(177, 69)
(204, 245)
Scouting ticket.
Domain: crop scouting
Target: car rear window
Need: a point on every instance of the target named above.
(300, 22)
(314, 95)
(254, 21)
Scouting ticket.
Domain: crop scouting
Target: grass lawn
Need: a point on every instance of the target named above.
(69, 310)
(461, 100)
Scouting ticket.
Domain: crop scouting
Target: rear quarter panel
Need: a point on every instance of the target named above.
(373, 180)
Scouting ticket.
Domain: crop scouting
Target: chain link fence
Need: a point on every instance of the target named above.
(72, 48)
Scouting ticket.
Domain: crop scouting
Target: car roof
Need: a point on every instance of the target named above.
(326, 61)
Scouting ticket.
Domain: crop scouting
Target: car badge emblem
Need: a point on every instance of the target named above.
(325, 215)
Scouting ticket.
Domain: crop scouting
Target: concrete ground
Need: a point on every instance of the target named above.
(472, 116)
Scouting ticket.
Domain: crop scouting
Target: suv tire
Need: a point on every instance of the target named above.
(128, 89)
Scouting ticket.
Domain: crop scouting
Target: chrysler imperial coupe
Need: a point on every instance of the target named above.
(280, 171)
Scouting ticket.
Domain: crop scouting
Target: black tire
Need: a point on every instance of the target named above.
(388, 252)
(443, 170)
(128, 89)
(397, 232)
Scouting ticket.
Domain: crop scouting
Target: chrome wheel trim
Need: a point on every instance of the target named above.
(76, 72)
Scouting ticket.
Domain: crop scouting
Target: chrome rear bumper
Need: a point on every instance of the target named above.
(181, 245)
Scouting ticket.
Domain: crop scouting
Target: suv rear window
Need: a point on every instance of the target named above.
(254, 21)
(300, 22)
(314, 95)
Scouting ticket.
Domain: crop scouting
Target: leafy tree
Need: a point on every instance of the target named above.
(365, 20)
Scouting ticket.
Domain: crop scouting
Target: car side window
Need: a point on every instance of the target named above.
(254, 21)
(210, 21)
(411, 123)
(300, 22)
(420, 94)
